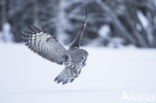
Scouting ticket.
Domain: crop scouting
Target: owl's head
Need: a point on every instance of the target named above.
(78, 56)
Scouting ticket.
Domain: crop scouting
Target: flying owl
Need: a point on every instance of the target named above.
(48, 47)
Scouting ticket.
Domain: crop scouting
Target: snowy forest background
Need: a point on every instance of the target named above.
(109, 74)
(111, 23)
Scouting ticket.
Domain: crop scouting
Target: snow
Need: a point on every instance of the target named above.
(5, 34)
(115, 42)
(142, 19)
(104, 30)
(25, 77)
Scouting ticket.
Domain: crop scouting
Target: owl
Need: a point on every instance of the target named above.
(47, 46)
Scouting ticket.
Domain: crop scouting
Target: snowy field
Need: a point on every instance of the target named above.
(109, 75)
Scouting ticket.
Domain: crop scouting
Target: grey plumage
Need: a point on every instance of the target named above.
(48, 47)
(75, 62)
(45, 45)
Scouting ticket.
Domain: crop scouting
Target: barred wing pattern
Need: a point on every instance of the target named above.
(45, 45)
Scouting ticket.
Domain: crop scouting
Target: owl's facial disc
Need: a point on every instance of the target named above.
(78, 57)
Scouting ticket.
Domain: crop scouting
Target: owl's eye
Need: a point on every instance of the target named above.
(83, 57)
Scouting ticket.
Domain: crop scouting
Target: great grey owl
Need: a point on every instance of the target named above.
(48, 47)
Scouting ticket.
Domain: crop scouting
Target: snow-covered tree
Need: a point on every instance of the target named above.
(133, 21)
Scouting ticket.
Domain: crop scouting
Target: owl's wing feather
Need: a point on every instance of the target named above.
(77, 40)
(69, 74)
(45, 45)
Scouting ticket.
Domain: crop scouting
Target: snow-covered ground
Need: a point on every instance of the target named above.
(109, 76)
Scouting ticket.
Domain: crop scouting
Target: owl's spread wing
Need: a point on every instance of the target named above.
(45, 45)
(69, 74)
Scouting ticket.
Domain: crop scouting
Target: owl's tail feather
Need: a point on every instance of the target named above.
(68, 74)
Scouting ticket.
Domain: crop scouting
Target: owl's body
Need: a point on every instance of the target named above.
(48, 47)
